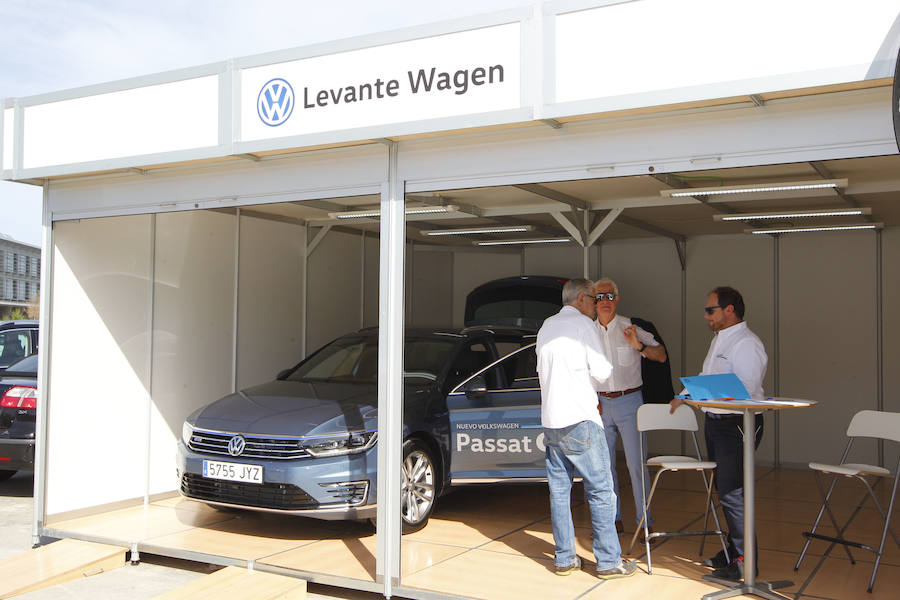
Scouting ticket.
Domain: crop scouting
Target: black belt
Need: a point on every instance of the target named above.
(622, 393)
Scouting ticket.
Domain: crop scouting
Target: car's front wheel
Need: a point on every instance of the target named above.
(419, 485)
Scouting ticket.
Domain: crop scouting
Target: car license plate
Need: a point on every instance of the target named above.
(214, 469)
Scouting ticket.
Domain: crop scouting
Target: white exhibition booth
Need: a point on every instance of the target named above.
(193, 242)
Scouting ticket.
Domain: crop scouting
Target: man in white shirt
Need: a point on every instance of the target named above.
(570, 359)
(734, 349)
(620, 395)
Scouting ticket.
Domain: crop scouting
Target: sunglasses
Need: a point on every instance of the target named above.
(605, 296)
(711, 309)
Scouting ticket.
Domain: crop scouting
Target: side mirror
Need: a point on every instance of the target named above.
(476, 386)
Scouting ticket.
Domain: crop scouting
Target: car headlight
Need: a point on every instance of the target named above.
(353, 442)
(186, 432)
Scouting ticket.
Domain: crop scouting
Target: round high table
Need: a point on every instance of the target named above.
(750, 586)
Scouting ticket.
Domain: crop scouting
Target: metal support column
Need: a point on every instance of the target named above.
(148, 423)
(390, 376)
(586, 247)
(40, 450)
(879, 333)
(235, 298)
(362, 279)
(303, 293)
(776, 342)
(682, 253)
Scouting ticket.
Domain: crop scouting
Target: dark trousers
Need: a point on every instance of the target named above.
(725, 445)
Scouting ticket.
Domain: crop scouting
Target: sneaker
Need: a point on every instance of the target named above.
(733, 571)
(563, 571)
(626, 568)
(718, 561)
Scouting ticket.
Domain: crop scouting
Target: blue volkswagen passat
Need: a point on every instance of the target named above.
(306, 442)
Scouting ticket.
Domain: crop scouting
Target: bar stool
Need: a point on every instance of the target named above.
(869, 424)
(652, 417)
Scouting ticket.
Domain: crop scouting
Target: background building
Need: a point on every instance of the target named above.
(20, 274)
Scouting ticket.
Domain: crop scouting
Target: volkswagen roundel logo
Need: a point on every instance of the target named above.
(236, 445)
(275, 102)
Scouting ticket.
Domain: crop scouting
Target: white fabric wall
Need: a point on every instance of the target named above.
(193, 327)
(270, 299)
(99, 356)
(827, 332)
(471, 269)
(333, 289)
(432, 289)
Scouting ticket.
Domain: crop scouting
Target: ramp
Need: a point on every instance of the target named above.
(236, 583)
(57, 563)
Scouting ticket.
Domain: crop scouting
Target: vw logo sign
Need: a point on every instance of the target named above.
(236, 445)
(275, 102)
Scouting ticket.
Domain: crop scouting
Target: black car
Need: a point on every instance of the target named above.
(18, 407)
(520, 301)
(18, 339)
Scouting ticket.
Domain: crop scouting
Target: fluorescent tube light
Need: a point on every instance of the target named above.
(374, 214)
(791, 186)
(429, 210)
(797, 214)
(822, 228)
(531, 241)
(479, 230)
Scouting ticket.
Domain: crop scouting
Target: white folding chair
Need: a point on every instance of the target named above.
(651, 417)
(868, 424)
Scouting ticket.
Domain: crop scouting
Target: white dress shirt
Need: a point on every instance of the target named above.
(737, 350)
(626, 361)
(569, 357)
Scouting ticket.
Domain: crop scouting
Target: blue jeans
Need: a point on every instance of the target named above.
(582, 448)
(620, 418)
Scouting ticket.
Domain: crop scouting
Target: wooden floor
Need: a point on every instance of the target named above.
(495, 542)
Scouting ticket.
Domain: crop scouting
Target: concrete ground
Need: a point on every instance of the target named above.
(154, 575)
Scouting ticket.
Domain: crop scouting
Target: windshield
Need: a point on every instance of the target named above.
(26, 366)
(355, 360)
(525, 305)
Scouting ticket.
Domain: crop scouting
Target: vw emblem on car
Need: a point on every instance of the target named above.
(275, 102)
(236, 445)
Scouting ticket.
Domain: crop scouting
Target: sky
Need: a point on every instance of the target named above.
(51, 45)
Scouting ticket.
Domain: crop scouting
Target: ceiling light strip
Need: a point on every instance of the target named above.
(375, 214)
(816, 184)
(774, 188)
(822, 228)
(532, 241)
(802, 214)
(479, 230)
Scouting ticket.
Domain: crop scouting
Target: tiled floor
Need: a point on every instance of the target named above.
(495, 542)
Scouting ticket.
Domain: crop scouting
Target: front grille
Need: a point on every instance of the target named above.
(267, 495)
(209, 442)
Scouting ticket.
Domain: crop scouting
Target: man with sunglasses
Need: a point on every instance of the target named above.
(734, 349)
(620, 395)
(570, 360)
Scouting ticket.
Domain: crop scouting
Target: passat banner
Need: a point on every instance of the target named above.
(444, 76)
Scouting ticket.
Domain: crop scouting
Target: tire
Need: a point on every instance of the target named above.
(419, 491)
(4, 475)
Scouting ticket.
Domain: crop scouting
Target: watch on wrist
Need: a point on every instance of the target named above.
(641, 349)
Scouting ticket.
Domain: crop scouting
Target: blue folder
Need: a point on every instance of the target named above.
(724, 386)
